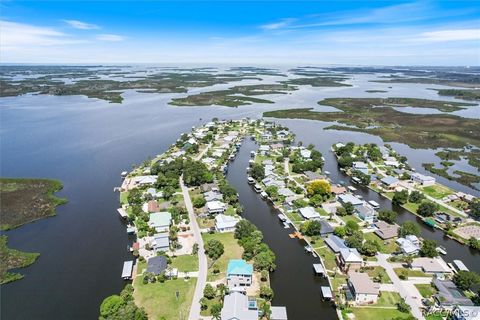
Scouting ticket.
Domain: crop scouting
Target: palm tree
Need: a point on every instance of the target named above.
(266, 311)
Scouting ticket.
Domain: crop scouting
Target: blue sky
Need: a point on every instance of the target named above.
(248, 32)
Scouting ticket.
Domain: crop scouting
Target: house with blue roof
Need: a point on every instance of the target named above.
(239, 273)
(389, 182)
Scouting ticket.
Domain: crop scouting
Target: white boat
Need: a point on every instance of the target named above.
(359, 196)
(374, 204)
(441, 250)
(257, 188)
(352, 188)
(355, 180)
(327, 173)
(263, 194)
(308, 249)
(124, 174)
(286, 225)
(251, 180)
(282, 217)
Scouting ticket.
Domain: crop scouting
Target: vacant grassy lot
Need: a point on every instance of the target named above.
(27, 200)
(388, 299)
(378, 271)
(411, 273)
(159, 299)
(232, 250)
(185, 263)
(378, 314)
(437, 191)
(387, 246)
(328, 257)
(426, 290)
(11, 259)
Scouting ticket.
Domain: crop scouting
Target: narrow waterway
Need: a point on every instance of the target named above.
(293, 282)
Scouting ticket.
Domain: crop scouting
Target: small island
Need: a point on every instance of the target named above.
(13, 259)
(27, 200)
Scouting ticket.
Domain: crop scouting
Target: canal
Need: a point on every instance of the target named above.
(293, 282)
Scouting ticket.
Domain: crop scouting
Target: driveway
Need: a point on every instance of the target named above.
(202, 258)
(407, 290)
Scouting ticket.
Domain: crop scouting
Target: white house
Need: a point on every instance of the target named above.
(161, 242)
(224, 223)
(239, 273)
(422, 179)
(160, 221)
(363, 289)
(345, 198)
(237, 306)
(305, 153)
(366, 212)
(216, 207)
(309, 213)
(409, 245)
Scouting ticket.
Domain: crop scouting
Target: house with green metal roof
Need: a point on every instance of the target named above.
(239, 273)
(160, 221)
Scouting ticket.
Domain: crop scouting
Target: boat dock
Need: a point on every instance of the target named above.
(326, 293)
(127, 270)
(319, 270)
(296, 235)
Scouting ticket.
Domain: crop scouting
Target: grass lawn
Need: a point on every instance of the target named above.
(231, 211)
(328, 257)
(411, 273)
(437, 191)
(294, 216)
(378, 314)
(426, 290)
(388, 299)
(376, 271)
(231, 251)
(159, 299)
(337, 281)
(124, 197)
(185, 263)
(210, 303)
(351, 218)
(387, 246)
(205, 223)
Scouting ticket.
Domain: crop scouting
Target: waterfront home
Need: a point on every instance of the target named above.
(365, 212)
(214, 207)
(330, 207)
(337, 190)
(237, 306)
(282, 134)
(466, 313)
(305, 153)
(157, 265)
(209, 187)
(286, 192)
(264, 149)
(391, 162)
(271, 180)
(144, 180)
(313, 175)
(348, 197)
(326, 228)
(362, 288)
(224, 223)
(360, 166)
(208, 161)
(276, 146)
(309, 213)
(161, 242)
(213, 195)
(385, 230)
(267, 136)
(436, 266)
(239, 273)
(449, 295)
(349, 259)
(154, 193)
(409, 245)
(160, 221)
(389, 182)
(269, 170)
(422, 179)
(335, 243)
(278, 313)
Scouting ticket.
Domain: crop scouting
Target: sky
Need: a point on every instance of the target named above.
(241, 32)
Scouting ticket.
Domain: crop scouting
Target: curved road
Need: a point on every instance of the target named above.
(202, 258)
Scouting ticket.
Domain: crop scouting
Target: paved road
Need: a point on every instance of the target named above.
(406, 290)
(202, 258)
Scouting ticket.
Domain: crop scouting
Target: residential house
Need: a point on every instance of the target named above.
(350, 259)
(237, 306)
(391, 162)
(313, 175)
(337, 190)
(335, 243)
(385, 230)
(449, 295)
(224, 223)
(348, 197)
(326, 228)
(436, 266)
(389, 182)
(409, 245)
(157, 265)
(309, 213)
(161, 242)
(213, 195)
(365, 212)
(305, 153)
(360, 166)
(215, 206)
(286, 192)
(160, 221)
(363, 289)
(239, 273)
(422, 179)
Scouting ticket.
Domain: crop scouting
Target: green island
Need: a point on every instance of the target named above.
(465, 178)
(233, 97)
(378, 117)
(473, 94)
(111, 90)
(319, 81)
(376, 91)
(27, 200)
(446, 79)
(13, 259)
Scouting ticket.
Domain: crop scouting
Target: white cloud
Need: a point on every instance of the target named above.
(278, 25)
(15, 34)
(450, 35)
(110, 37)
(81, 25)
